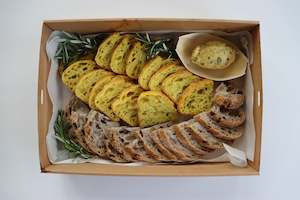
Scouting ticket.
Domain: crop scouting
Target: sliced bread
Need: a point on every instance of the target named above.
(196, 98)
(154, 108)
(228, 96)
(174, 84)
(125, 106)
(135, 60)
(216, 130)
(105, 50)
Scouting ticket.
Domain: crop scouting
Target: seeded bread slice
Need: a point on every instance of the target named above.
(196, 98)
(203, 137)
(154, 108)
(94, 132)
(228, 96)
(168, 138)
(75, 71)
(86, 83)
(135, 60)
(109, 93)
(125, 106)
(118, 58)
(227, 118)
(148, 70)
(105, 50)
(216, 130)
(184, 136)
(174, 84)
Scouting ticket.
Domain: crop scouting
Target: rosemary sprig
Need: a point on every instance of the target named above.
(71, 46)
(61, 128)
(155, 47)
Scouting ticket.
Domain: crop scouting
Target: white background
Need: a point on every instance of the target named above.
(20, 29)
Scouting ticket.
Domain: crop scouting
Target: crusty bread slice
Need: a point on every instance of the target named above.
(203, 137)
(168, 138)
(112, 154)
(148, 70)
(97, 88)
(118, 58)
(94, 132)
(213, 55)
(125, 106)
(75, 71)
(227, 118)
(108, 94)
(165, 70)
(216, 130)
(228, 96)
(174, 84)
(196, 98)
(103, 56)
(135, 60)
(86, 83)
(184, 136)
(155, 108)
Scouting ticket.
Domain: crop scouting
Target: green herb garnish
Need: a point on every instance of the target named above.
(61, 128)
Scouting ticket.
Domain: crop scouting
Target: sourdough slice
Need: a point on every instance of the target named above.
(213, 55)
(227, 118)
(196, 98)
(125, 106)
(216, 130)
(108, 94)
(154, 108)
(112, 154)
(97, 88)
(174, 84)
(94, 132)
(75, 71)
(168, 138)
(86, 83)
(165, 70)
(184, 136)
(228, 97)
(203, 137)
(103, 56)
(118, 58)
(135, 60)
(148, 70)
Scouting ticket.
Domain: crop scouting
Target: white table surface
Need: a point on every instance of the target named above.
(20, 29)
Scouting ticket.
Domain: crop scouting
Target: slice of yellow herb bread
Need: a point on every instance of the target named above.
(97, 88)
(125, 106)
(118, 58)
(148, 70)
(105, 50)
(174, 84)
(154, 108)
(86, 83)
(135, 60)
(158, 77)
(75, 71)
(108, 94)
(196, 98)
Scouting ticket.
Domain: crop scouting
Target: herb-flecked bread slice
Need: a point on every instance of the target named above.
(125, 106)
(154, 108)
(108, 94)
(196, 98)
(148, 70)
(87, 82)
(135, 60)
(174, 84)
(75, 71)
(97, 88)
(118, 58)
(104, 53)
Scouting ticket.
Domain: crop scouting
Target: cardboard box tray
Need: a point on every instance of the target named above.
(111, 25)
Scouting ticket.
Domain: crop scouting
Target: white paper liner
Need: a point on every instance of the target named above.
(236, 153)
